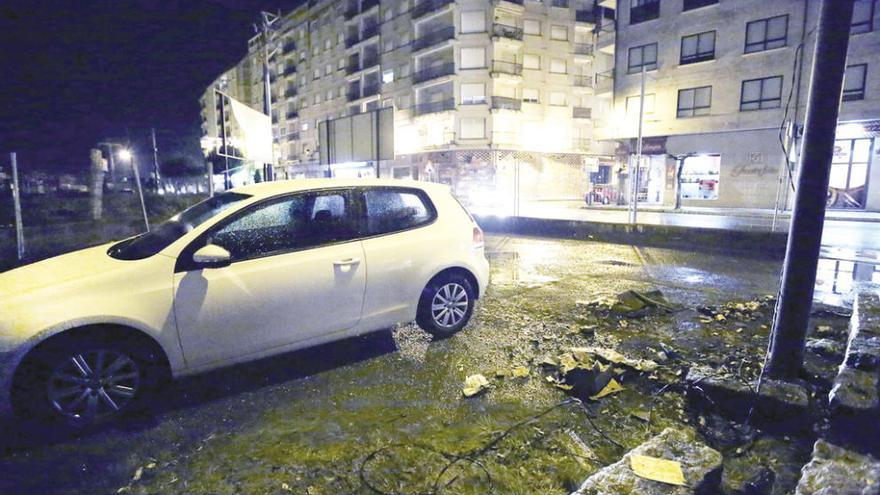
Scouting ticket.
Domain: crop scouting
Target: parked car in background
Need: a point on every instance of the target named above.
(254, 271)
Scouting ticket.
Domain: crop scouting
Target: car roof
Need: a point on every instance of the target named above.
(266, 189)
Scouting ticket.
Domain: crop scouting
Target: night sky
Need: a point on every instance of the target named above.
(78, 71)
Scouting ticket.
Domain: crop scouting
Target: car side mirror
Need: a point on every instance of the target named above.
(212, 256)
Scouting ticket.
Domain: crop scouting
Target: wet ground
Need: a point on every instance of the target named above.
(385, 413)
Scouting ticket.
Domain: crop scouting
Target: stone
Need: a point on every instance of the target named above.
(826, 348)
(834, 470)
(700, 464)
(855, 391)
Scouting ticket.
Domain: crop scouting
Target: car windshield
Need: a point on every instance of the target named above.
(162, 235)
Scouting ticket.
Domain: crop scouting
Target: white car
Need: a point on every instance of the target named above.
(254, 271)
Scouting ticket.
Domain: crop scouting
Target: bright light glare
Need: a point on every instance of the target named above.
(125, 154)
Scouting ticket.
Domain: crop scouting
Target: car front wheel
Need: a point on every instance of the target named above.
(82, 382)
(446, 305)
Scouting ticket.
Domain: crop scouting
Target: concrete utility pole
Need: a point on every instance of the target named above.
(805, 234)
(155, 158)
(634, 175)
(97, 183)
(267, 19)
(16, 199)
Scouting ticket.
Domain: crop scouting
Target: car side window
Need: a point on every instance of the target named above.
(295, 222)
(392, 210)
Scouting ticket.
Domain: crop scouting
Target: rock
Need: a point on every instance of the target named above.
(826, 348)
(612, 356)
(761, 483)
(834, 470)
(700, 464)
(474, 385)
(855, 391)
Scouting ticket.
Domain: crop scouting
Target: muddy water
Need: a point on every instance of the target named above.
(361, 417)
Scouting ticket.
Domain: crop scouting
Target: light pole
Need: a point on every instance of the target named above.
(125, 154)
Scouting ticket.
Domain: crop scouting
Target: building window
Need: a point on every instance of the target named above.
(694, 101)
(642, 56)
(643, 10)
(854, 82)
(697, 48)
(317, 98)
(530, 95)
(850, 164)
(700, 177)
(473, 58)
(558, 66)
(317, 74)
(473, 93)
(341, 64)
(472, 128)
(695, 4)
(328, 69)
(766, 34)
(632, 105)
(557, 98)
(473, 22)
(388, 44)
(532, 27)
(558, 33)
(758, 94)
(863, 17)
(329, 94)
(531, 61)
(388, 75)
(327, 44)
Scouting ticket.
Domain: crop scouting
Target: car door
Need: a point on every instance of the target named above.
(297, 273)
(399, 243)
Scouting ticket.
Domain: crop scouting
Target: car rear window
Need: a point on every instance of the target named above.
(396, 209)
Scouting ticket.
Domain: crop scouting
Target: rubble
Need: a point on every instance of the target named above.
(474, 385)
(834, 470)
(700, 466)
(740, 311)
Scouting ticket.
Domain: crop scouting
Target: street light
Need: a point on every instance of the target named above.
(125, 154)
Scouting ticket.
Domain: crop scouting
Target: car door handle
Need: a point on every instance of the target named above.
(347, 262)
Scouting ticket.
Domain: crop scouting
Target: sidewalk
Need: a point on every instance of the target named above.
(837, 215)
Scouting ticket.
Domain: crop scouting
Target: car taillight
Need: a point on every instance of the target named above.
(478, 237)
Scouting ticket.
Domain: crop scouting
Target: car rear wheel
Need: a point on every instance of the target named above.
(82, 382)
(446, 305)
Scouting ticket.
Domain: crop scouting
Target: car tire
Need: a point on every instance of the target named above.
(79, 381)
(446, 305)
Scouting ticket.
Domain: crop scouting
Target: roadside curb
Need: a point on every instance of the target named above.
(747, 243)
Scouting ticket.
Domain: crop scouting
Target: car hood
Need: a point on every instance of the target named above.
(59, 270)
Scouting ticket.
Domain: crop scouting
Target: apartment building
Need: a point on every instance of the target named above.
(499, 91)
(725, 93)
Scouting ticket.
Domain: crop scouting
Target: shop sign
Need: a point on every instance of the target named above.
(654, 145)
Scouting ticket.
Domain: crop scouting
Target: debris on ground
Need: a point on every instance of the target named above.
(474, 385)
(611, 388)
(614, 357)
(656, 469)
(411, 341)
(738, 311)
(700, 467)
(631, 303)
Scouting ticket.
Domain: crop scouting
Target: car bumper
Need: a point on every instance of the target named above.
(482, 274)
(8, 361)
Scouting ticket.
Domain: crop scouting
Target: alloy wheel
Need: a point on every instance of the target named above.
(449, 305)
(93, 384)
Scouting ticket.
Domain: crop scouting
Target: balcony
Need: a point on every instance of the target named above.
(426, 6)
(605, 83)
(289, 47)
(370, 90)
(290, 69)
(583, 49)
(581, 113)
(644, 12)
(369, 62)
(368, 4)
(505, 103)
(586, 16)
(509, 68)
(505, 31)
(434, 72)
(583, 81)
(353, 65)
(351, 11)
(434, 37)
(515, 2)
(290, 92)
(605, 39)
(434, 107)
(291, 136)
(369, 32)
(291, 114)
(351, 40)
(562, 4)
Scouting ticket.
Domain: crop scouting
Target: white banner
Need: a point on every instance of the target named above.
(255, 132)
